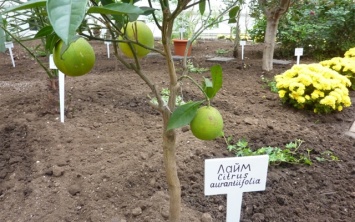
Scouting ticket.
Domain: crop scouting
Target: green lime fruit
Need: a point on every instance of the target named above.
(77, 60)
(140, 32)
(207, 123)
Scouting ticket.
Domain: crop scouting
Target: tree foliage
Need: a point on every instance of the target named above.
(324, 28)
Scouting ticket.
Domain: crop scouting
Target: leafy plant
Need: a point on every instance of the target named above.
(314, 87)
(221, 51)
(165, 94)
(192, 68)
(289, 154)
(271, 84)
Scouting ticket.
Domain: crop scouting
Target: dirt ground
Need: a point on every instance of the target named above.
(105, 162)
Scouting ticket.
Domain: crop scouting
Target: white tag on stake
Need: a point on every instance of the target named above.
(233, 176)
(9, 46)
(108, 48)
(243, 43)
(61, 79)
(298, 53)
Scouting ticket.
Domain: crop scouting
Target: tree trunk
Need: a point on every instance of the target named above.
(269, 44)
(174, 187)
(273, 11)
(236, 39)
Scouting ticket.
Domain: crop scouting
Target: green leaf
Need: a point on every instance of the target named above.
(27, 5)
(208, 88)
(202, 6)
(66, 17)
(183, 115)
(51, 41)
(147, 10)
(45, 31)
(118, 8)
(233, 14)
(106, 2)
(2, 35)
(217, 78)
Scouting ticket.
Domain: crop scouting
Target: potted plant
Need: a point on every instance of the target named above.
(184, 29)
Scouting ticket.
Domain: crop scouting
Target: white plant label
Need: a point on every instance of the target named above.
(108, 48)
(233, 176)
(243, 43)
(10, 45)
(61, 80)
(298, 53)
(51, 62)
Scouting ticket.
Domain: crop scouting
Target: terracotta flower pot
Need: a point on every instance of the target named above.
(180, 46)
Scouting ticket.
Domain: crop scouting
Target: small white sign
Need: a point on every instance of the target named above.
(51, 62)
(233, 176)
(298, 51)
(107, 42)
(9, 45)
(243, 42)
(182, 30)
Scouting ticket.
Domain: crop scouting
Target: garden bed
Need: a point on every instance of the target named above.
(105, 162)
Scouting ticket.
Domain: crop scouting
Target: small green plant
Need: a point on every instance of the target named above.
(314, 87)
(221, 51)
(289, 154)
(327, 156)
(193, 69)
(165, 94)
(271, 84)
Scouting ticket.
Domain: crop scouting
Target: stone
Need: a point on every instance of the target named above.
(74, 189)
(137, 211)
(206, 217)
(57, 171)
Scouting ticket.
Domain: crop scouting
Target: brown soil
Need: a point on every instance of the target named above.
(105, 162)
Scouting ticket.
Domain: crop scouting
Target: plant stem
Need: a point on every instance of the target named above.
(199, 86)
(49, 73)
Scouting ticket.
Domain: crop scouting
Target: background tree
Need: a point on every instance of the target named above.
(272, 10)
(313, 25)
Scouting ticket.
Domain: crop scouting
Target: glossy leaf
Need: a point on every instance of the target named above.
(2, 35)
(27, 5)
(217, 77)
(66, 16)
(183, 115)
(45, 31)
(106, 2)
(202, 6)
(51, 41)
(233, 14)
(208, 88)
(118, 8)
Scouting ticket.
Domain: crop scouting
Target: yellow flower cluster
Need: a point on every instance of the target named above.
(350, 53)
(310, 86)
(341, 65)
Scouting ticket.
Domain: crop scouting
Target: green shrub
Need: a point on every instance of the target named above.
(314, 87)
